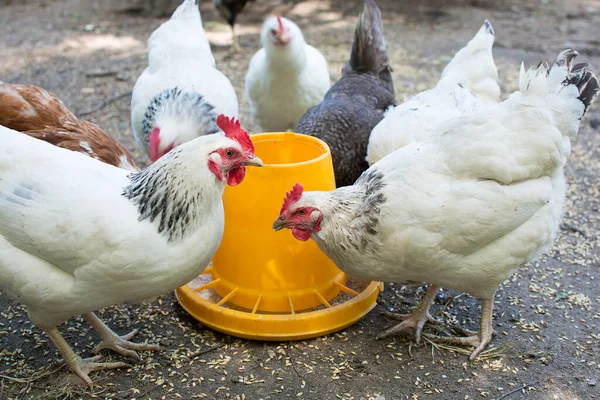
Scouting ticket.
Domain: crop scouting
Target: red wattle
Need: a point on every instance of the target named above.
(236, 176)
(154, 143)
(301, 234)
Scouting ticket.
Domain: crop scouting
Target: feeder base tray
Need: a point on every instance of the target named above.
(355, 300)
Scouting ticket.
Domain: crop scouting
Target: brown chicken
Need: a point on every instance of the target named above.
(35, 112)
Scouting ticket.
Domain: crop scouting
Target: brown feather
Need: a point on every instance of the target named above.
(40, 114)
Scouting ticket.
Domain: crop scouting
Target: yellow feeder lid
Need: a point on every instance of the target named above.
(268, 285)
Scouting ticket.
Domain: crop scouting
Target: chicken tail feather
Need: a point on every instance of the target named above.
(587, 84)
(561, 74)
(473, 66)
(369, 47)
(566, 88)
(187, 7)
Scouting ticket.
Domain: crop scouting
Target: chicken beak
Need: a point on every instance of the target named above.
(254, 162)
(282, 38)
(279, 224)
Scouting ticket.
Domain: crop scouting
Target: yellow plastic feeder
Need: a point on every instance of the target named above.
(267, 285)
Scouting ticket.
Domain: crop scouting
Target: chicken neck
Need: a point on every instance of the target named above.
(351, 218)
(180, 115)
(174, 192)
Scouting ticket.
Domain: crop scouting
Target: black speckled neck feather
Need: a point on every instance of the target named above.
(160, 193)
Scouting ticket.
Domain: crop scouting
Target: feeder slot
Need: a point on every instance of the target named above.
(257, 304)
(209, 285)
(346, 289)
(207, 270)
(228, 297)
(322, 299)
(291, 305)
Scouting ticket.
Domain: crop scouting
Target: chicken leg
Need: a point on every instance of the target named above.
(480, 339)
(236, 45)
(120, 344)
(416, 319)
(81, 367)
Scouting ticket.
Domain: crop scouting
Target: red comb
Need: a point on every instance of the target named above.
(280, 22)
(233, 130)
(291, 197)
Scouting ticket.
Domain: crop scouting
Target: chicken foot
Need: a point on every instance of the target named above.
(480, 339)
(416, 319)
(120, 344)
(80, 366)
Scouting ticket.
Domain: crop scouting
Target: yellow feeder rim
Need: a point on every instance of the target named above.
(250, 324)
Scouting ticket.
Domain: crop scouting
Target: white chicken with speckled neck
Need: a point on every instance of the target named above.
(481, 196)
(77, 235)
(285, 78)
(179, 95)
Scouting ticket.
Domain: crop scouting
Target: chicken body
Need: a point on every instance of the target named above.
(462, 209)
(469, 81)
(285, 77)
(77, 235)
(179, 95)
(357, 102)
(35, 112)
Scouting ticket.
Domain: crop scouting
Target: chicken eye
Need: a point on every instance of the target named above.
(274, 32)
(229, 153)
(301, 212)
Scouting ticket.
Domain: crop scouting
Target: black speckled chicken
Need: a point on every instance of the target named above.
(357, 102)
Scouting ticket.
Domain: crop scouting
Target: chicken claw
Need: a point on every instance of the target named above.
(416, 319)
(81, 367)
(480, 339)
(112, 341)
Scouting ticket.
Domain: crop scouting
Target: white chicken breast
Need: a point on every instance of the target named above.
(77, 234)
(285, 78)
(462, 209)
(468, 81)
(179, 95)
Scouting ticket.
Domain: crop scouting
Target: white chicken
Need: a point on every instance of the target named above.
(468, 81)
(463, 208)
(179, 95)
(77, 234)
(285, 78)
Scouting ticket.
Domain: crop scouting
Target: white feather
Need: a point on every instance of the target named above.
(179, 55)
(464, 207)
(71, 243)
(468, 81)
(283, 82)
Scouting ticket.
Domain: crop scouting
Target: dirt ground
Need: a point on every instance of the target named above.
(547, 316)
